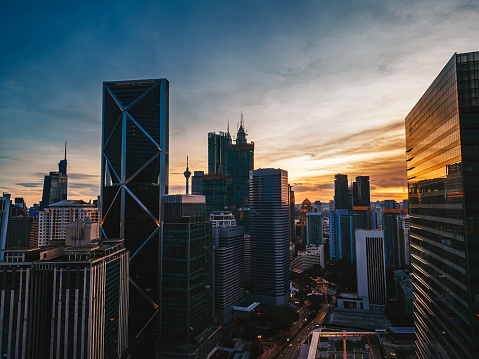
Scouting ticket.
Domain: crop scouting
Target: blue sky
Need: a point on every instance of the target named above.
(324, 86)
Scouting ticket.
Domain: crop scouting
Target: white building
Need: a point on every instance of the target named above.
(308, 258)
(370, 267)
(53, 221)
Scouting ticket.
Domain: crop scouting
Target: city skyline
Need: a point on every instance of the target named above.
(324, 87)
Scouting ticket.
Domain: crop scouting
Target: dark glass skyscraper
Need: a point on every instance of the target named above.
(239, 161)
(341, 193)
(134, 178)
(55, 185)
(185, 282)
(361, 196)
(442, 147)
(269, 206)
(217, 146)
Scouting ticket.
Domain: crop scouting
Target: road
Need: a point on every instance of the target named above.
(292, 352)
(288, 337)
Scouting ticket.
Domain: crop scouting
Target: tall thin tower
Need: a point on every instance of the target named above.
(187, 174)
(134, 179)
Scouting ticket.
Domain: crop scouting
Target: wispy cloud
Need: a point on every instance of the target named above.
(29, 184)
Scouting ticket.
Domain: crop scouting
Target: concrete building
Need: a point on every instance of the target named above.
(308, 258)
(65, 302)
(53, 220)
(228, 266)
(370, 267)
(270, 226)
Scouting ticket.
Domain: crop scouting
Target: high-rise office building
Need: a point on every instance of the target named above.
(269, 204)
(239, 161)
(306, 207)
(361, 196)
(135, 152)
(292, 212)
(314, 229)
(394, 238)
(197, 182)
(342, 226)
(185, 282)
(404, 239)
(217, 147)
(55, 185)
(442, 136)
(22, 232)
(370, 267)
(65, 302)
(341, 192)
(215, 190)
(228, 266)
(4, 214)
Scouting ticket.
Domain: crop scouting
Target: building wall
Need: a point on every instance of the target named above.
(314, 229)
(442, 133)
(370, 266)
(53, 221)
(270, 235)
(135, 168)
(61, 307)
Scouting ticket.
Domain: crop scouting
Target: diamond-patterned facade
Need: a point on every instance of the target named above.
(134, 178)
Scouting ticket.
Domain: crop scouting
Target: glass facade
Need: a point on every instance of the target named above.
(341, 193)
(442, 136)
(185, 300)
(269, 230)
(134, 178)
(217, 147)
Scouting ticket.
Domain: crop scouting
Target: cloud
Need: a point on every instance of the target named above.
(29, 184)
(82, 176)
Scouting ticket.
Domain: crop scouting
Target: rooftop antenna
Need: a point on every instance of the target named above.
(65, 149)
(228, 125)
(242, 124)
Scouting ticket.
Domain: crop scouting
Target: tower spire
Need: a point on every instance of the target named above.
(65, 150)
(187, 174)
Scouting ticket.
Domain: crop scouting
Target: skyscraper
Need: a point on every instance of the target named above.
(228, 266)
(134, 178)
(370, 267)
(442, 136)
(185, 282)
(217, 147)
(239, 161)
(269, 204)
(4, 214)
(341, 193)
(197, 182)
(55, 184)
(361, 196)
(314, 229)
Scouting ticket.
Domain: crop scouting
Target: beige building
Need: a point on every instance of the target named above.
(53, 221)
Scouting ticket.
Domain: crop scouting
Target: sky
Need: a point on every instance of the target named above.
(324, 86)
